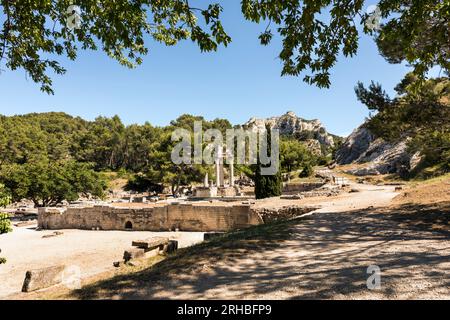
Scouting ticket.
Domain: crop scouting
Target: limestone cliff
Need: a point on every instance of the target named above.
(311, 131)
(376, 155)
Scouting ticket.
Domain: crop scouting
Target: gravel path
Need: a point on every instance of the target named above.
(326, 257)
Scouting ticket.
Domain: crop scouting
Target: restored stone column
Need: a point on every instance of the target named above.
(221, 176)
(218, 167)
(232, 173)
(206, 181)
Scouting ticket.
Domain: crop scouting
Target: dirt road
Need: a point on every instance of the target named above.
(323, 256)
(326, 256)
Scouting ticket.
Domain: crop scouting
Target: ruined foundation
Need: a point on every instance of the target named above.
(182, 217)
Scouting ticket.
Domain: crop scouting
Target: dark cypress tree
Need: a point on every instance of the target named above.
(267, 186)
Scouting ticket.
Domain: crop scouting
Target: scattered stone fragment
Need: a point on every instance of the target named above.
(25, 223)
(42, 278)
(292, 197)
(170, 247)
(150, 243)
(133, 253)
(54, 234)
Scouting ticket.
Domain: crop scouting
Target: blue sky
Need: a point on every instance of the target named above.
(236, 83)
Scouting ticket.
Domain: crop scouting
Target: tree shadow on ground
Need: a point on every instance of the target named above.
(434, 217)
(324, 256)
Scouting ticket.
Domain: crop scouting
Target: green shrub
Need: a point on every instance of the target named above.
(141, 183)
(5, 223)
(307, 171)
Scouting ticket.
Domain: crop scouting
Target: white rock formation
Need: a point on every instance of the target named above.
(380, 157)
(290, 124)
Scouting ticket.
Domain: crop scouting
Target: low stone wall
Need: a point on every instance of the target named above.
(283, 213)
(301, 187)
(184, 217)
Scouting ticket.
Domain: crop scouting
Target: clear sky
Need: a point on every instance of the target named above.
(236, 83)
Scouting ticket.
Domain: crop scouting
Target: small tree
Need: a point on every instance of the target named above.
(48, 183)
(307, 171)
(5, 223)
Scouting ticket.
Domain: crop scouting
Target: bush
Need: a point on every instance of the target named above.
(140, 183)
(5, 223)
(307, 171)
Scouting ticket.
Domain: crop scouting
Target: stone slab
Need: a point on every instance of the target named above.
(43, 278)
(150, 243)
(170, 247)
(133, 253)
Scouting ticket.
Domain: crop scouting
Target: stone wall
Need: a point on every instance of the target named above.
(301, 187)
(185, 217)
(282, 213)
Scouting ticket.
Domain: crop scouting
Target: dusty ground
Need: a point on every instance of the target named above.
(92, 251)
(428, 192)
(325, 256)
(322, 256)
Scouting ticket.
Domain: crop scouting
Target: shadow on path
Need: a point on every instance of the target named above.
(324, 256)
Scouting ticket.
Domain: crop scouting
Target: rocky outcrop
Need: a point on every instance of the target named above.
(355, 146)
(311, 131)
(379, 156)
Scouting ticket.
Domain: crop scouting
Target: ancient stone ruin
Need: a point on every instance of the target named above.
(169, 217)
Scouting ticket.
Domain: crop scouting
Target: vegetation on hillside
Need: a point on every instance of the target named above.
(295, 156)
(51, 157)
(421, 115)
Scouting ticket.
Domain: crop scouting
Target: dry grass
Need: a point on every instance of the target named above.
(426, 192)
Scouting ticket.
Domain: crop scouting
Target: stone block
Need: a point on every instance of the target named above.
(171, 246)
(150, 243)
(43, 278)
(133, 253)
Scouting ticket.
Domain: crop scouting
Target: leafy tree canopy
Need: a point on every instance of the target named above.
(50, 183)
(294, 155)
(313, 32)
